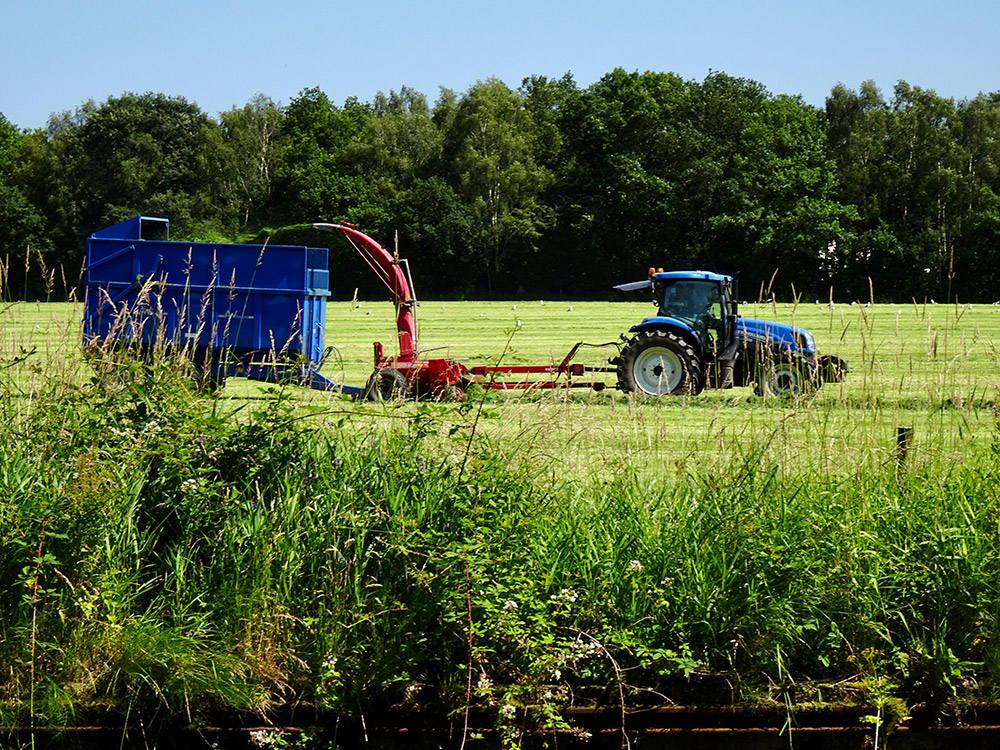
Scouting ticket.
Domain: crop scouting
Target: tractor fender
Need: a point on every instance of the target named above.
(674, 325)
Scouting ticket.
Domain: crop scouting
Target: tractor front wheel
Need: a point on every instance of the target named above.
(832, 369)
(387, 384)
(786, 377)
(659, 363)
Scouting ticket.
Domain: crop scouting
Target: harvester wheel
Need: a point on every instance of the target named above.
(784, 377)
(387, 384)
(659, 363)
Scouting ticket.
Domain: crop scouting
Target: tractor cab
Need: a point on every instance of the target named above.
(698, 299)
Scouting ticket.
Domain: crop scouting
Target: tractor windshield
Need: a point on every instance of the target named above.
(698, 303)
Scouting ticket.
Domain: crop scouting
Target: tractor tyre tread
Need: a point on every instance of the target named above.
(691, 367)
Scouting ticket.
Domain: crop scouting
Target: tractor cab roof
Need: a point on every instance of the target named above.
(661, 275)
(689, 276)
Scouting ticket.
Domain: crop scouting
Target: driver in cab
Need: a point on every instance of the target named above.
(686, 302)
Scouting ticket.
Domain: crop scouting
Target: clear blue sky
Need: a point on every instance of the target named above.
(56, 54)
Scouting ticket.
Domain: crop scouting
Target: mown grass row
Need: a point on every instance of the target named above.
(167, 557)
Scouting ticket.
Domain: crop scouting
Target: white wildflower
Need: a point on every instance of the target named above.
(635, 566)
(508, 711)
(509, 605)
(582, 650)
(264, 738)
(567, 596)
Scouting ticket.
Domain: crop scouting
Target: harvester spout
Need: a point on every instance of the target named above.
(387, 268)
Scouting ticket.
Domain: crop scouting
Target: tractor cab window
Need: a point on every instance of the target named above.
(698, 303)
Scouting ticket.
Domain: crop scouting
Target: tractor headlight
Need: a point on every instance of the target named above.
(804, 341)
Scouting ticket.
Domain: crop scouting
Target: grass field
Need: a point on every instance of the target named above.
(165, 555)
(933, 368)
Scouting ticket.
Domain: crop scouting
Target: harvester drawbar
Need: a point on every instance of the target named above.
(408, 375)
(259, 312)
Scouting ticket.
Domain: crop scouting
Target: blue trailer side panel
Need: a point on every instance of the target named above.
(232, 306)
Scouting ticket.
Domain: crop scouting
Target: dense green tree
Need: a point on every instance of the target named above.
(22, 226)
(400, 156)
(251, 151)
(976, 265)
(714, 174)
(784, 207)
(545, 99)
(617, 194)
(492, 141)
(142, 154)
(436, 230)
(398, 144)
(312, 183)
(921, 177)
(857, 139)
(922, 174)
(399, 141)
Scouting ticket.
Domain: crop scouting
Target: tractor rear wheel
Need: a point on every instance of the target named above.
(387, 384)
(659, 363)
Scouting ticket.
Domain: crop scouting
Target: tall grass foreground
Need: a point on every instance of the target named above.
(170, 557)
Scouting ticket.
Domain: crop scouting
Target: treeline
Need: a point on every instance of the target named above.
(548, 189)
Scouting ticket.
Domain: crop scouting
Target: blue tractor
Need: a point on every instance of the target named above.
(698, 340)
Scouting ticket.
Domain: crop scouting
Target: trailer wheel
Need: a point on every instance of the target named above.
(207, 383)
(786, 377)
(387, 384)
(659, 363)
(204, 380)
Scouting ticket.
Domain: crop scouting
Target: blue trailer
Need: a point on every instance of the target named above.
(230, 310)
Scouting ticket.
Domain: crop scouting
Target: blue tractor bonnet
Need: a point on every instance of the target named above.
(782, 334)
